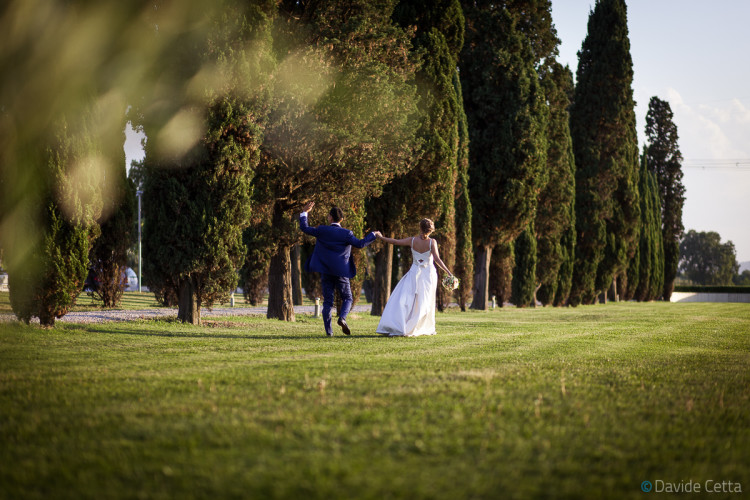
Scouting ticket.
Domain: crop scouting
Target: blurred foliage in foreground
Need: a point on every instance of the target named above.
(71, 71)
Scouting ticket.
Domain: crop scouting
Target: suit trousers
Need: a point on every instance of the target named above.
(330, 284)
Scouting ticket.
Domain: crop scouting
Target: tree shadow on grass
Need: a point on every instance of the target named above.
(200, 333)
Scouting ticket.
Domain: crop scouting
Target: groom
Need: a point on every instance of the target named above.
(332, 259)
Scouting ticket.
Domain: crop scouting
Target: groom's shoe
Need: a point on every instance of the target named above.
(344, 326)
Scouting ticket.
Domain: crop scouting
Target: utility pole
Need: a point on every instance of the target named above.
(139, 193)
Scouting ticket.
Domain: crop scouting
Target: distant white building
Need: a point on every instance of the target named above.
(132, 278)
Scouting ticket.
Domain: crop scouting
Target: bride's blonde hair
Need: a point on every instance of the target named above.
(426, 226)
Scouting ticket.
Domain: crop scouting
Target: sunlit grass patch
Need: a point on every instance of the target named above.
(585, 402)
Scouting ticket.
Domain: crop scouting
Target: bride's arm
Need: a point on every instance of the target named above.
(438, 260)
(403, 242)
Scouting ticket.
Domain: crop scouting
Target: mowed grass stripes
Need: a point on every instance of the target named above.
(584, 402)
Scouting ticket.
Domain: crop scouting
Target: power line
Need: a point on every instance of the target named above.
(717, 163)
(717, 167)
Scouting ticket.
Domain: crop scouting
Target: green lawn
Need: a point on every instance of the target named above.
(86, 302)
(566, 403)
(130, 301)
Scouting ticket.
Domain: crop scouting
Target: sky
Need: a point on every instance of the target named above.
(695, 55)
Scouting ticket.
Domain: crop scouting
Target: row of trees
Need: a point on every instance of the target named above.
(398, 110)
(458, 112)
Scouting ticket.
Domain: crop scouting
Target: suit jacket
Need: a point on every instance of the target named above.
(333, 248)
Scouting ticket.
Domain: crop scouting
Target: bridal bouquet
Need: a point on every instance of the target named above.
(450, 282)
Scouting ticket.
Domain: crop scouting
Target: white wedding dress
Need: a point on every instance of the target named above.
(411, 309)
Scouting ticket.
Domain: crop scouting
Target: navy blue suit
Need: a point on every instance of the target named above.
(332, 259)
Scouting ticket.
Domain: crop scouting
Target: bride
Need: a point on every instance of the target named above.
(410, 311)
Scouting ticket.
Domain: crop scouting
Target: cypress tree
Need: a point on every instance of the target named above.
(434, 175)
(665, 160)
(201, 156)
(634, 266)
(524, 273)
(438, 40)
(45, 280)
(568, 239)
(464, 268)
(198, 207)
(109, 253)
(504, 104)
(602, 125)
(555, 207)
(501, 273)
(565, 273)
(651, 252)
(549, 259)
(622, 236)
(656, 285)
(55, 171)
(645, 265)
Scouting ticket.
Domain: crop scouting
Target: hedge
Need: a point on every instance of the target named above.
(712, 289)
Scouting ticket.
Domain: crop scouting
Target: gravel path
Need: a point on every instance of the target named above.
(112, 315)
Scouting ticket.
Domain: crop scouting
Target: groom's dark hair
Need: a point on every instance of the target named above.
(337, 214)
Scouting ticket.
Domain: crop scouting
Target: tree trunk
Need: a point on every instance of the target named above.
(188, 310)
(534, 299)
(501, 274)
(46, 318)
(280, 304)
(671, 256)
(623, 286)
(613, 296)
(481, 278)
(381, 283)
(667, 291)
(112, 284)
(296, 276)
